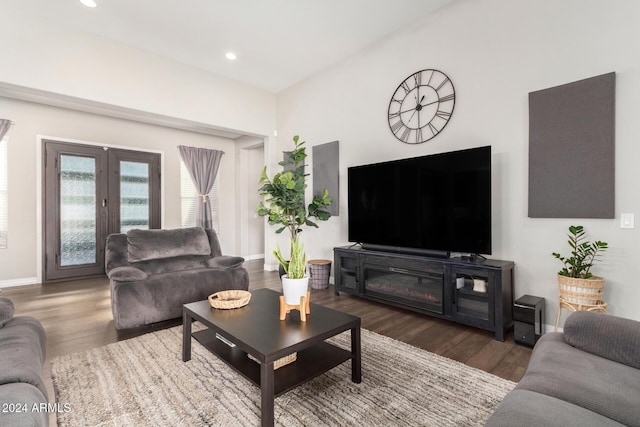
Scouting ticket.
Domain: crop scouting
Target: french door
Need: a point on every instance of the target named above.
(89, 193)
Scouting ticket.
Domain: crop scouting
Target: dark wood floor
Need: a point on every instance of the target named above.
(77, 316)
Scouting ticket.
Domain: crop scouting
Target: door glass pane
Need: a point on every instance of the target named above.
(134, 196)
(77, 210)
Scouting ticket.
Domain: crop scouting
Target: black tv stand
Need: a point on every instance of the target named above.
(440, 287)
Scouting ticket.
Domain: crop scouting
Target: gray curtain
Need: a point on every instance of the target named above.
(202, 165)
(4, 127)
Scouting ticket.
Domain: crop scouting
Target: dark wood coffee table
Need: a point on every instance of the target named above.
(256, 329)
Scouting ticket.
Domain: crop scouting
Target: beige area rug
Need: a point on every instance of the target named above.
(143, 382)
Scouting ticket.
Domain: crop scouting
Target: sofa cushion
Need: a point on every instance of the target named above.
(604, 335)
(145, 245)
(600, 385)
(161, 296)
(127, 274)
(225, 261)
(6, 311)
(25, 401)
(22, 351)
(526, 408)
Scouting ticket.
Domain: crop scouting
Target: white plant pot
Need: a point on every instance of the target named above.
(479, 285)
(293, 289)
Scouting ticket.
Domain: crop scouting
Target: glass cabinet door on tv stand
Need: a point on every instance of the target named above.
(473, 296)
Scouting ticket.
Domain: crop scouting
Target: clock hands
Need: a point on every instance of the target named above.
(417, 108)
(433, 102)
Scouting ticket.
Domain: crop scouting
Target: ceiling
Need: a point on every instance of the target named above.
(277, 42)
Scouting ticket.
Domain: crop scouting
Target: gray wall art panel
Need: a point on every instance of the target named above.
(326, 159)
(572, 150)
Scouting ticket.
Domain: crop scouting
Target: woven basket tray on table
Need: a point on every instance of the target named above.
(226, 300)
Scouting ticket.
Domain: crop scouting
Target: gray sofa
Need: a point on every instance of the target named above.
(589, 375)
(23, 395)
(154, 272)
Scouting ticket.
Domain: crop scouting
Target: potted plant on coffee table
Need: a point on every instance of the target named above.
(284, 202)
(295, 281)
(578, 286)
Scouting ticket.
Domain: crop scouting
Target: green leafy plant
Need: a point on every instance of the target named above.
(295, 267)
(284, 195)
(583, 254)
(284, 203)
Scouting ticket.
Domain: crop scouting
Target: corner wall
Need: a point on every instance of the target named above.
(495, 52)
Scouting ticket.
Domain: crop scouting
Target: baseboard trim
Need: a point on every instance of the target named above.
(252, 257)
(18, 282)
(270, 267)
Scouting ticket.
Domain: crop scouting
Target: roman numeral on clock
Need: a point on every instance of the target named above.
(405, 134)
(443, 114)
(447, 98)
(417, 77)
(397, 126)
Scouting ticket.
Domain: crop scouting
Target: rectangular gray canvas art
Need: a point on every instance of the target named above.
(572, 149)
(326, 159)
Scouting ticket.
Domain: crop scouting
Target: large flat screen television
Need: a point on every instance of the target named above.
(433, 204)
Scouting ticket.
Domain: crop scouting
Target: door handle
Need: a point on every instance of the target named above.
(104, 203)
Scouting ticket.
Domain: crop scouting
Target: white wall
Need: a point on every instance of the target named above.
(45, 57)
(251, 230)
(495, 52)
(18, 262)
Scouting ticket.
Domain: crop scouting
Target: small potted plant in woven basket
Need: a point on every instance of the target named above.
(577, 284)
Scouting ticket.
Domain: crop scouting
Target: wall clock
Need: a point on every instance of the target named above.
(421, 106)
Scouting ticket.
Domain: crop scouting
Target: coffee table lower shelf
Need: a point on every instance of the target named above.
(311, 361)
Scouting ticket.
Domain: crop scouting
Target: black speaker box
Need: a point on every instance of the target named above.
(528, 316)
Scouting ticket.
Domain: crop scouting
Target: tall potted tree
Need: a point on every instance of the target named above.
(284, 205)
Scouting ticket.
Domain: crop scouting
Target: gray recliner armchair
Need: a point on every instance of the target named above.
(154, 272)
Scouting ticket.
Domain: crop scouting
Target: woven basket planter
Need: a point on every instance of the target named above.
(581, 291)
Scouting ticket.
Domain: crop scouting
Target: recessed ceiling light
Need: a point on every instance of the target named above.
(88, 3)
(230, 56)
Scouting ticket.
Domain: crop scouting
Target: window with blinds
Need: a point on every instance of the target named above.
(189, 202)
(4, 199)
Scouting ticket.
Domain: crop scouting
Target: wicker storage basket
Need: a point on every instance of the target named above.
(319, 271)
(581, 291)
(226, 300)
(283, 361)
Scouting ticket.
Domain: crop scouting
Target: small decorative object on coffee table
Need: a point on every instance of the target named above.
(303, 307)
(226, 300)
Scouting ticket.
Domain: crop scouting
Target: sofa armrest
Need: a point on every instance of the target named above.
(7, 310)
(127, 274)
(225, 261)
(115, 252)
(607, 336)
